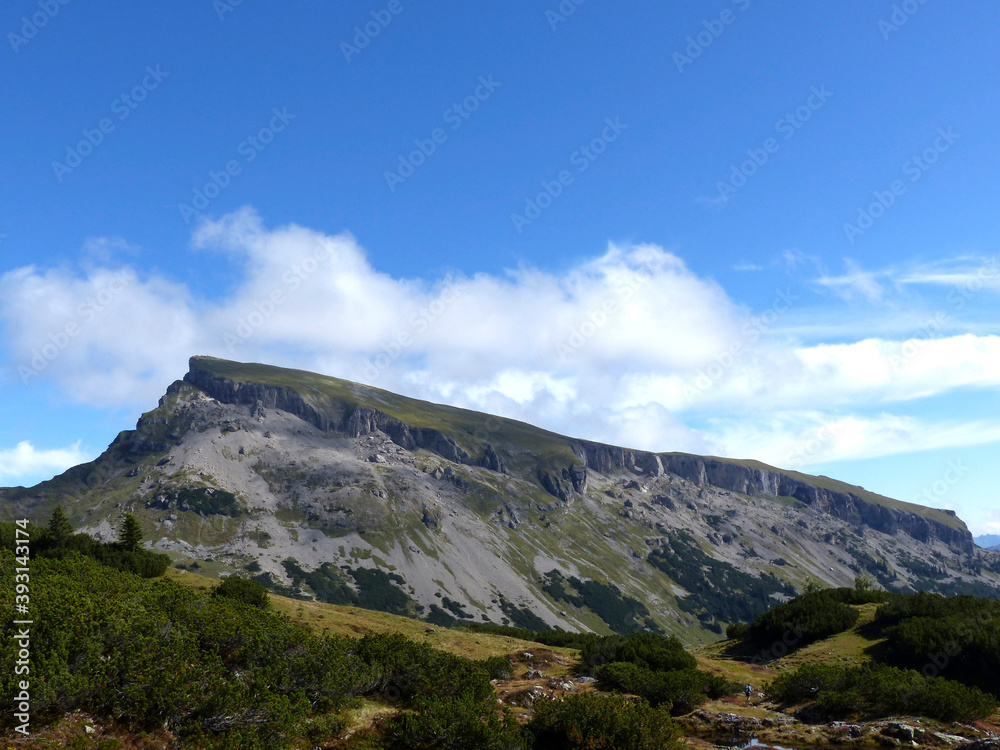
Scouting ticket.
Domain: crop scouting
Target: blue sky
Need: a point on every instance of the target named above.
(744, 228)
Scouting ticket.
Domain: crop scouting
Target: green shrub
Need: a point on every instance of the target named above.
(598, 722)
(464, 722)
(956, 637)
(401, 669)
(874, 690)
(737, 630)
(807, 618)
(57, 544)
(656, 652)
(243, 590)
(323, 729)
(216, 672)
(679, 691)
(498, 668)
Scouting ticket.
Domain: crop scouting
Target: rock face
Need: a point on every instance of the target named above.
(753, 481)
(278, 471)
(354, 422)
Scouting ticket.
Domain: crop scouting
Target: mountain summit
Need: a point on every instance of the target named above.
(326, 488)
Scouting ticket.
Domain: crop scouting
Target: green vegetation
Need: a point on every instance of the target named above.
(376, 589)
(214, 670)
(805, 619)
(622, 613)
(654, 667)
(678, 691)
(547, 636)
(718, 592)
(522, 617)
(499, 668)
(874, 690)
(594, 722)
(462, 722)
(243, 590)
(60, 528)
(647, 650)
(206, 501)
(63, 543)
(957, 637)
(922, 654)
(923, 569)
(130, 534)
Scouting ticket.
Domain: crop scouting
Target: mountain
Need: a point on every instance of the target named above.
(325, 488)
(988, 541)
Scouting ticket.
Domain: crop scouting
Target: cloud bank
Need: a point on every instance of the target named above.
(631, 347)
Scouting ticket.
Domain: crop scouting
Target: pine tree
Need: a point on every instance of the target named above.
(60, 527)
(130, 534)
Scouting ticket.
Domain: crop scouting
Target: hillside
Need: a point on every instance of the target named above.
(326, 489)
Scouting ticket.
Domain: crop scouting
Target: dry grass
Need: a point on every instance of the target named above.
(352, 622)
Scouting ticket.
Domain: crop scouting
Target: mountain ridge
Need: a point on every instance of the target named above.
(748, 477)
(328, 489)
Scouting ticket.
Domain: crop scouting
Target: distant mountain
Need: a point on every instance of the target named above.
(988, 541)
(325, 488)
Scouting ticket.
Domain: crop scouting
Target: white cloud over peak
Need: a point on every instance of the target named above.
(631, 346)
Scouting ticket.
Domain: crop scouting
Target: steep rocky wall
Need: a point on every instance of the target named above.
(352, 421)
(355, 421)
(754, 481)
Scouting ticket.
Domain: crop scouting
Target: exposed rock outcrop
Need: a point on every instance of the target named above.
(755, 481)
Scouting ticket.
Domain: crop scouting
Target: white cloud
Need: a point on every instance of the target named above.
(631, 347)
(26, 464)
(855, 282)
(795, 439)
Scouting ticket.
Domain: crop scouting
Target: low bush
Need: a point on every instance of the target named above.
(807, 618)
(655, 652)
(679, 691)
(598, 722)
(243, 590)
(498, 668)
(875, 690)
(464, 722)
